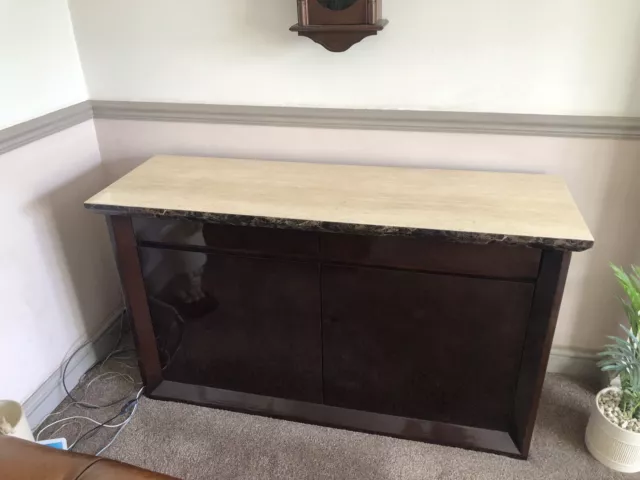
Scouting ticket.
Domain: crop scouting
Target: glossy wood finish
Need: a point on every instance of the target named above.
(408, 337)
(411, 428)
(348, 308)
(318, 14)
(246, 240)
(338, 30)
(124, 243)
(496, 261)
(535, 355)
(493, 261)
(338, 38)
(242, 323)
(435, 347)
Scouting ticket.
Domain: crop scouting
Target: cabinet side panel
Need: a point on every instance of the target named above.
(535, 356)
(129, 267)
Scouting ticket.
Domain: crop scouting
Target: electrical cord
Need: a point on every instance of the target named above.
(113, 351)
(99, 426)
(181, 325)
(135, 407)
(110, 375)
(75, 422)
(129, 407)
(80, 402)
(76, 418)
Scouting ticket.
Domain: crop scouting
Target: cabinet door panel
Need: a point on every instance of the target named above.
(435, 347)
(237, 323)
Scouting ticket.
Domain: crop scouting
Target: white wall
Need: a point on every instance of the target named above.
(544, 56)
(39, 65)
(58, 281)
(602, 175)
(574, 57)
(57, 276)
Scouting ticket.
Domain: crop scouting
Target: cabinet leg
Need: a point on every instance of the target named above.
(128, 261)
(535, 356)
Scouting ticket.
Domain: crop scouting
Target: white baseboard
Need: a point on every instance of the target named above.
(49, 395)
(575, 363)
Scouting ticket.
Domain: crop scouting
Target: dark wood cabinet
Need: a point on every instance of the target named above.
(436, 347)
(237, 323)
(401, 328)
(408, 302)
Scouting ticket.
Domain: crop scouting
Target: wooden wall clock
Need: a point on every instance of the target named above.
(339, 24)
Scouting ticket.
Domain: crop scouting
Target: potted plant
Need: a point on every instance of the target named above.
(613, 432)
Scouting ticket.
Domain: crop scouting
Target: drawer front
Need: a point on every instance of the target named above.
(207, 236)
(497, 261)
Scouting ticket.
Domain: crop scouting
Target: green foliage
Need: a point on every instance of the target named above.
(630, 283)
(623, 356)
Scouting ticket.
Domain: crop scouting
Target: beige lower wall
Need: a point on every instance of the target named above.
(601, 173)
(58, 280)
(57, 276)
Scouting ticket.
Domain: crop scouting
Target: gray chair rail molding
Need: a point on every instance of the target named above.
(401, 120)
(27, 132)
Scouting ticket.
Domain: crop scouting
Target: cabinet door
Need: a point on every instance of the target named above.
(435, 347)
(236, 323)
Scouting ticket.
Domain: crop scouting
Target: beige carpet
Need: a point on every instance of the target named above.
(199, 443)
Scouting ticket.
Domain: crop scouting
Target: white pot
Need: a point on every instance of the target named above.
(615, 447)
(13, 413)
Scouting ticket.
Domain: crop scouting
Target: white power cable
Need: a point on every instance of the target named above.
(125, 423)
(115, 350)
(74, 422)
(127, 377)
(79, 418)
(111, 375)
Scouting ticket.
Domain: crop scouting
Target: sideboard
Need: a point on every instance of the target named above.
(408, 302)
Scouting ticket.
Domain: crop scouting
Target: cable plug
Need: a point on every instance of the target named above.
(127, 407)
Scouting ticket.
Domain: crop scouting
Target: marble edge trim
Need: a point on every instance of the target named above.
(27, 132)
(349, 228)
(372, 119)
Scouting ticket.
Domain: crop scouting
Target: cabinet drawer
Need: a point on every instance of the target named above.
(207, 236)
(498, 261)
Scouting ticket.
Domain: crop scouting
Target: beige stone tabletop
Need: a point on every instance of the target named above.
(463, 206)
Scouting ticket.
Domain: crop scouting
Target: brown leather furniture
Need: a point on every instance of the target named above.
(22, 460)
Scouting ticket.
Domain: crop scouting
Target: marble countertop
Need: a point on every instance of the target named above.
(461, 206)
